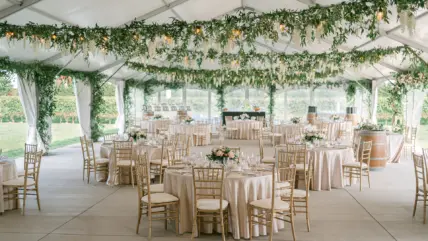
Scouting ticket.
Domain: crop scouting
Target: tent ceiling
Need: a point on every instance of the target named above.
(117, 13)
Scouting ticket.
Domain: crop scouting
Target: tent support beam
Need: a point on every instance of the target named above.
(17, 7)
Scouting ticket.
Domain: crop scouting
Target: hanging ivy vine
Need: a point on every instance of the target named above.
(353, 86)
(221, 101)
(271, 106)
(127, 100)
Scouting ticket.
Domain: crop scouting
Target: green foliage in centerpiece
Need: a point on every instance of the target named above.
(137, 134)
(188, 119)
(157, 117)
(221, 154)
(370, 127)
(311, 136)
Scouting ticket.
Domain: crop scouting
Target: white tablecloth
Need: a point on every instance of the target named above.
(245, 128)
(154, 152)
(334, 128)
(328, 166)
(288, 129)
(7, 172)
(395, 146)
(152, 125)
(239, 190)
(189, 129)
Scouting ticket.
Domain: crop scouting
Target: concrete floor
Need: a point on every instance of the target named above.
(73, 210)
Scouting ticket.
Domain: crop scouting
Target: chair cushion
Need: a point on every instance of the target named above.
(211, 204)
(158, 162)
(275, 134)
(301, 166)
(22, 173)
(123, 163)
(159, 198)
(354, 164)
(231, 129)
(19, 182)
(297, 193)
(268, 160)
(156, 188)
(267, 203)
(102, 160)
(282, 184)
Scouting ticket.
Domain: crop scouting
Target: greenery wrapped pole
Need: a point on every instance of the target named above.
(127, 100)
(272, 90)
(96, 107)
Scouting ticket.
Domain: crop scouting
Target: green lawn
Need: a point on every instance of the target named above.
(13, 135)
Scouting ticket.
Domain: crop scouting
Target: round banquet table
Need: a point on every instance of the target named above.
(334, 127)
(7, 172)
(289, 130)
(328, 166)
(245, 128)
(239, 190)
(152, 125)
(189, 129)
(153, 152)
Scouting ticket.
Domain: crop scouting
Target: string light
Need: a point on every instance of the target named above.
(53, 36)
(198, 30)
(379, 15)
(236, 32)
(81, 38)
(105, 38)
(282, 27)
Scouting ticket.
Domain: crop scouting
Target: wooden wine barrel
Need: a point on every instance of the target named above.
(379, 155)
(354, 118)
(312, 117)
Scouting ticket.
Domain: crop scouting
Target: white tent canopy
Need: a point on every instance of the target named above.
(117, 13)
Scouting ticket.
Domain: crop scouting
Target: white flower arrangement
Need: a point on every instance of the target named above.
(367, 126)
(136, 133)
(244, 116)
(296, 120)
(188, 119)
(311, 136)
(335, 117)
(157, 117)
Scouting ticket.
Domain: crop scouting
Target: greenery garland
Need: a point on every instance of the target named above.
(336, 21)
(221, 101)
(305, 61)
(96, 107)
(353, 86)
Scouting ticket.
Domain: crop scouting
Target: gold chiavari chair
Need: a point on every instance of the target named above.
(29, 183)
(232, 132)
(155, 205)
(94, 164)
(85, 160)
(157, 165)
(274, 208)
(176, 156)
(208, 199)
(410, 140)
(123, 158)
(200, 135)
(109, 138)
(421, 194)
(361, 167)
(300, 197)
(263, 158)
(302, 163)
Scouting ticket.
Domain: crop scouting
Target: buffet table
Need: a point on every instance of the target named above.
(7, 172)
(239, 190)
(260, 115)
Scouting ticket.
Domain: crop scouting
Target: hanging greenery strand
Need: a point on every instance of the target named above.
(127, 100)
(336, 21)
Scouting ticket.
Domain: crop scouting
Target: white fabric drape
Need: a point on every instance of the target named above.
(120, 121)
(28, 96)
(83, 106)
(415, 100)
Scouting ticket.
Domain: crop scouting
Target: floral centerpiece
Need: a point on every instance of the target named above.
(311, 136)
(137, 134)
(244, 116)
(296, 120)
(370, 127)
(221, 154)
(335, 117)
(157, 117)
(188, 119)
(256, 108)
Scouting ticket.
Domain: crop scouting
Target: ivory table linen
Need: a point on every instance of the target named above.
(245, 128)
(7, 172)
(239, 190)
(189, 129)
(152, 125)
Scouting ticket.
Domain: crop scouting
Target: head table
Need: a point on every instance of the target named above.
(239, 190)
(7, 172)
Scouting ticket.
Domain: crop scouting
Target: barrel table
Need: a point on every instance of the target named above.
(379, 154)
(312, 114)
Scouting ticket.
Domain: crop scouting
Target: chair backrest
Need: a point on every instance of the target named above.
(282, 175)
(356, 147)
(208, 184)
(32, 160)
(176, 156)
(261, 148)
(419, 162)
(143, 176)
(123, 150)
(301, 153)
(366, 151)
